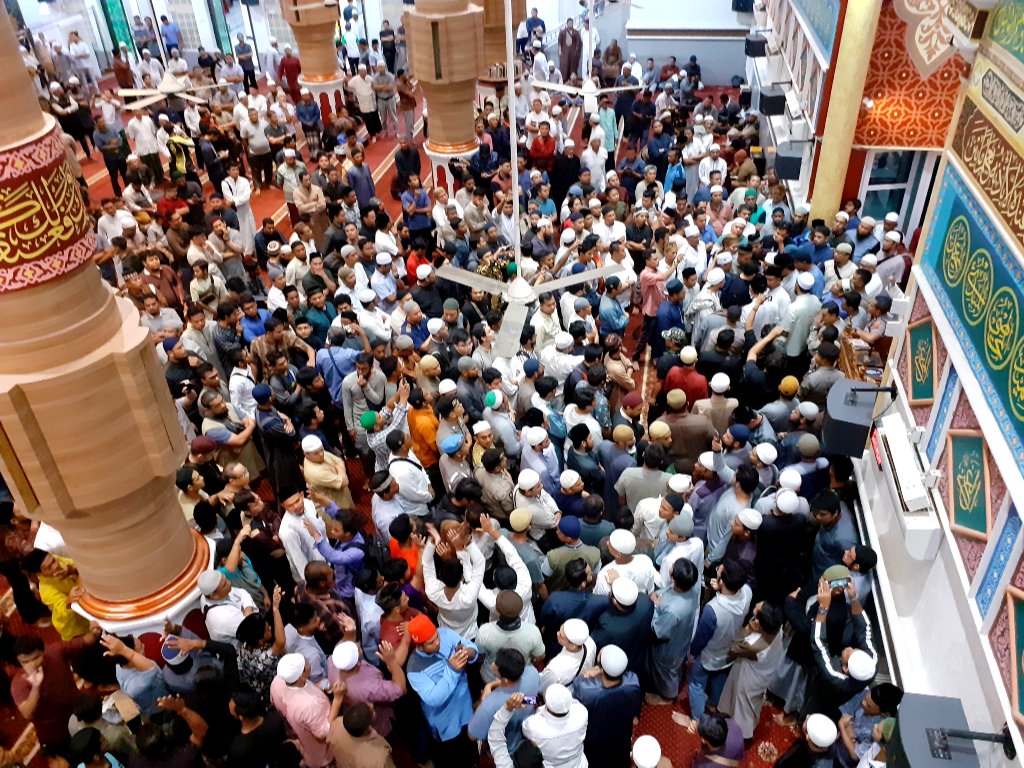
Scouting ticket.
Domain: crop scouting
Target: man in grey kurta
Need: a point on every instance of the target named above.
(675, 616)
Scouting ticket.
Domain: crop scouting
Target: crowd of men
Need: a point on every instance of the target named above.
(514, 554)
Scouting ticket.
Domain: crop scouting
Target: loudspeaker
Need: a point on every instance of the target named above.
(743, 6)
(756, 46)
(847, 418)
(772, 102)
(788, 160)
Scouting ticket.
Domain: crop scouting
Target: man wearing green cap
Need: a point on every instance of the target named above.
(380, 424)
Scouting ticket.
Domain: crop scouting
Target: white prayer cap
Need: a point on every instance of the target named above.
(720, 383)
(622, 541)
(843, 216)
(208, 582)
(289, 153)
(707, 460)
(869, 260)
(304, 92)
(568, 236)
(145, 52)
(555, 111)
(568, 143)
(273, 41)
(613, 660)
(312, 444)
(716, 188)
(273, 247)
(362, 67)
(750, 518)
(894, 236)
(594, 203)
(806, 281)
(688, 355)
(665, 115)
(345, 655)
(892, 217)
(287, 47)
(563, 340)
(291, 666)
(536, 174)
(716, 276)
(383, 260)
(790, 479)
(691, 231)
(861, 666)
(536, 43)
(54, 85)
(680, 483)
(222, 81)
(366, 295)
(123, 45)
(646, 752)
(446, 386)
(493, 116)
(821, 731)
(162, 118)
(808, 410)
(569, 478)
(543, 222)
(131, 158)
(625, 590)
(423, 271)
(576, 631)
(536, 435)
(767, 453)
(434, 325)
(594, 117)
(271, 82)
(723, 258)
(868, 221)
(551, 65)
(786, 501)
(480, 427)
(803, 210)
(770, 259)
(557, 699)
(125, 219)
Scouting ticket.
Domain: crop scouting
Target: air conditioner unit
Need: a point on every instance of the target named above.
(905, 480)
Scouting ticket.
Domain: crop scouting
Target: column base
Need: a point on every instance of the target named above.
(328, 90)
(148, 613)
(439, 156)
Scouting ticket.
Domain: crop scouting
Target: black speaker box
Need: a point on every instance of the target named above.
(756, 46)
(847, 418)
(772, 102)
(788, 159)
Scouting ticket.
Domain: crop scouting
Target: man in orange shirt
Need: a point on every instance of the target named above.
(423, 425)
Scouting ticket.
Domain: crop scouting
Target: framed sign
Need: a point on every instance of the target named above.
(968, 493)
(1015, 612)
(921, 374)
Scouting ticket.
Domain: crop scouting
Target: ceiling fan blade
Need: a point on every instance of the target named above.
(136, 91)
(506, 343)
(620, 88)
(472, 279)
(582, 277)
(187, 97)
(562, 88)
(143, 103)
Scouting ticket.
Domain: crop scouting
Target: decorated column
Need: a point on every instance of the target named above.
(446, 55)
(313, 25)
(89, 438)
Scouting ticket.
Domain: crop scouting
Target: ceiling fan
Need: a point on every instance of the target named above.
(168, 87)
(519, 293)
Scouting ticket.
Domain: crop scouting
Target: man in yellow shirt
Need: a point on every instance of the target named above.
(58, 589)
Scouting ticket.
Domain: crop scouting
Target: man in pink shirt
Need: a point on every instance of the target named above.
(652, 293)
(363, 682)
(306, 708)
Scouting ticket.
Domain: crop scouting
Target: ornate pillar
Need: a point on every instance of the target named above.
(494, 28)
(446, 54)
(855, 42)
(89, 439)
(313, 25)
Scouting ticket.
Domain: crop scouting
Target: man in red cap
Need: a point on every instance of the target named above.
(437, 672)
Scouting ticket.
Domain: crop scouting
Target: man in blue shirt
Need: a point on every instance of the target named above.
(336, 362)
(514, 676)
(243, 55)
(437, 672)
(818, 248)
(171, 33)
(613, 317)
(802, 263)
(253, 318)
(416, 207)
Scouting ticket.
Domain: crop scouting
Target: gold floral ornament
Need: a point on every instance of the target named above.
(1015, 384)
(968, 480)
(956, 248)
(977, 289)
(40, 215)
(922, 360)
(1002, 325)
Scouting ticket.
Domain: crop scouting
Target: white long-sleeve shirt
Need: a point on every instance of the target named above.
(524, 584)
(458, 612)
(298, 542)
(559, 739)
(413, 485)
